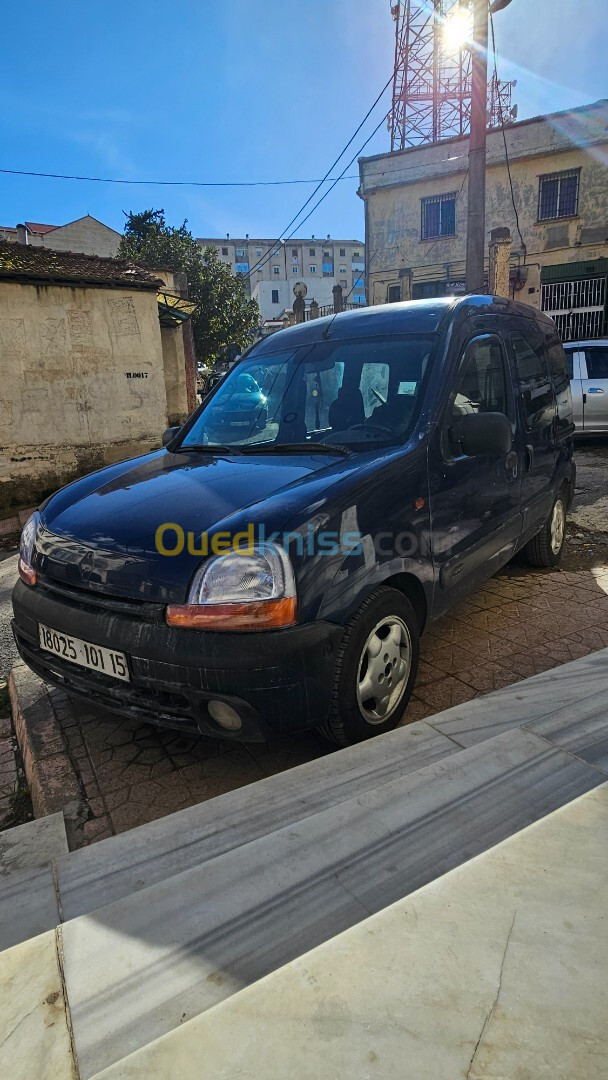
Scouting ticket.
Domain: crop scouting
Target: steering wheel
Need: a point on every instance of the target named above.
(372, 427)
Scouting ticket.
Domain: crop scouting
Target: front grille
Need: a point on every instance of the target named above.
(92, 601)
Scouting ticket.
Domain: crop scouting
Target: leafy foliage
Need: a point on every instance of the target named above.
(225, 314)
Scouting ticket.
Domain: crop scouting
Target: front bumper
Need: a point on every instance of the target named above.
(279, 681)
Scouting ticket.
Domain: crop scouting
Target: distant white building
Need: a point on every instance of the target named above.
(86, 235)
(272, 269)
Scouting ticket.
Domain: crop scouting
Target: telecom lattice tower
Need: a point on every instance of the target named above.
(432, 83)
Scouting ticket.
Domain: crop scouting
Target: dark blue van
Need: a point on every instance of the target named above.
(384, 464)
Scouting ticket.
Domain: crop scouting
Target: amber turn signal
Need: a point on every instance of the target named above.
(27, 573)
(257, 615)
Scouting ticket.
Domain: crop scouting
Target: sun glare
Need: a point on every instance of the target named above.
(458, 29)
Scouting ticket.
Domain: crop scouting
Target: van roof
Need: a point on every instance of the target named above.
(407, 317)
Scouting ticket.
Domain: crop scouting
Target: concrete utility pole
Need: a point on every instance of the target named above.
(476, 214)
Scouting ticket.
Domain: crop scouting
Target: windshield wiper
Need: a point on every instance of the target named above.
(297, 448)
(210, 448)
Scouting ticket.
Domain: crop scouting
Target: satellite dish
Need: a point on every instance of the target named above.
(300, 289)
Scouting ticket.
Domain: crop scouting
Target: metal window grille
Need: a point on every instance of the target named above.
(577, 307)
(558, 195)
(438, 216)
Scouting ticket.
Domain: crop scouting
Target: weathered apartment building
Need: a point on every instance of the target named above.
(95, 362)
(416, 214)
(86, 234)
(273, 268)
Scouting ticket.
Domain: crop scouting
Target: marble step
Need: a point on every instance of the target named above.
(140, 967)
(105, 872)
(32, 844)
(28, 905)
(499, 969)
(28, 898)
(81, 881)
(120, 865)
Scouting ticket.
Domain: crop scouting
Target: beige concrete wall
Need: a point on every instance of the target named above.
(394, 185)
(84, 235)
(174, 360)
(81, 384)
(174, 356)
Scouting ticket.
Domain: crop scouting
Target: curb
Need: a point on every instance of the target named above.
(52, 779)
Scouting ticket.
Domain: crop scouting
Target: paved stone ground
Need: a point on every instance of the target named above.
(522, 622)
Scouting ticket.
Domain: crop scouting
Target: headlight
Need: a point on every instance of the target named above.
(26, 549)
(240, 591)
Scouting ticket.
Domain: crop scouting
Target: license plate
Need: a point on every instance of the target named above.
(83, 653)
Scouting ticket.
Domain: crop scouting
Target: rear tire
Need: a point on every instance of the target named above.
(375, 669)
(545, 549)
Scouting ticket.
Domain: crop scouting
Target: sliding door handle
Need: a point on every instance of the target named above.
(530, 456)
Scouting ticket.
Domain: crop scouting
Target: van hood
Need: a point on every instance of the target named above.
(99, 532)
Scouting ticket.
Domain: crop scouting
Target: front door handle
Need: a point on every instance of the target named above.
(595, 390)
(512, 463)
(530, 456)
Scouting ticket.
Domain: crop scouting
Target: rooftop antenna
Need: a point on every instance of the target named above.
(432, 74)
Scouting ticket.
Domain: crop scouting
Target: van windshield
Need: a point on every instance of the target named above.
(347, 394)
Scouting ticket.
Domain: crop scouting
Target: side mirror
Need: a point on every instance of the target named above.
(169, 434)
(480, 434)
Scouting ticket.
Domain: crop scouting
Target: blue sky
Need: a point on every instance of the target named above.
(234, 90)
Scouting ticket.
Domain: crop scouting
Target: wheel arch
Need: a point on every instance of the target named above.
(412, 587)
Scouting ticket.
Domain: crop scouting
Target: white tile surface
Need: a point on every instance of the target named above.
(34, 1040)
(497, 971)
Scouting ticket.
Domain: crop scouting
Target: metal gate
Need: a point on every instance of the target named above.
(578, 307)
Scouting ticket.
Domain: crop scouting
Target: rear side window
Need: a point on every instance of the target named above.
(570, 363)
(597, 361)
(533, 376)
(558, 365)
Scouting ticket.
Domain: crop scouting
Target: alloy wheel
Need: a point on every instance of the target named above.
(384, 669)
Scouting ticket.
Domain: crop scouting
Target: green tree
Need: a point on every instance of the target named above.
(225, 314)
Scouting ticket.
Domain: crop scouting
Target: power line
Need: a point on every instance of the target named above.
(262, 262)
(203, 183)
(504, 139)
(170, 183)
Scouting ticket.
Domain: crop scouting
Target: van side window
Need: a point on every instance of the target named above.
(558, 365)
(570, 363)
(597, 361)
(537, 395)
(481, 386)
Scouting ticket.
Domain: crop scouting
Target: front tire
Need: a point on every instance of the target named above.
(375, 669)
(545, 549)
